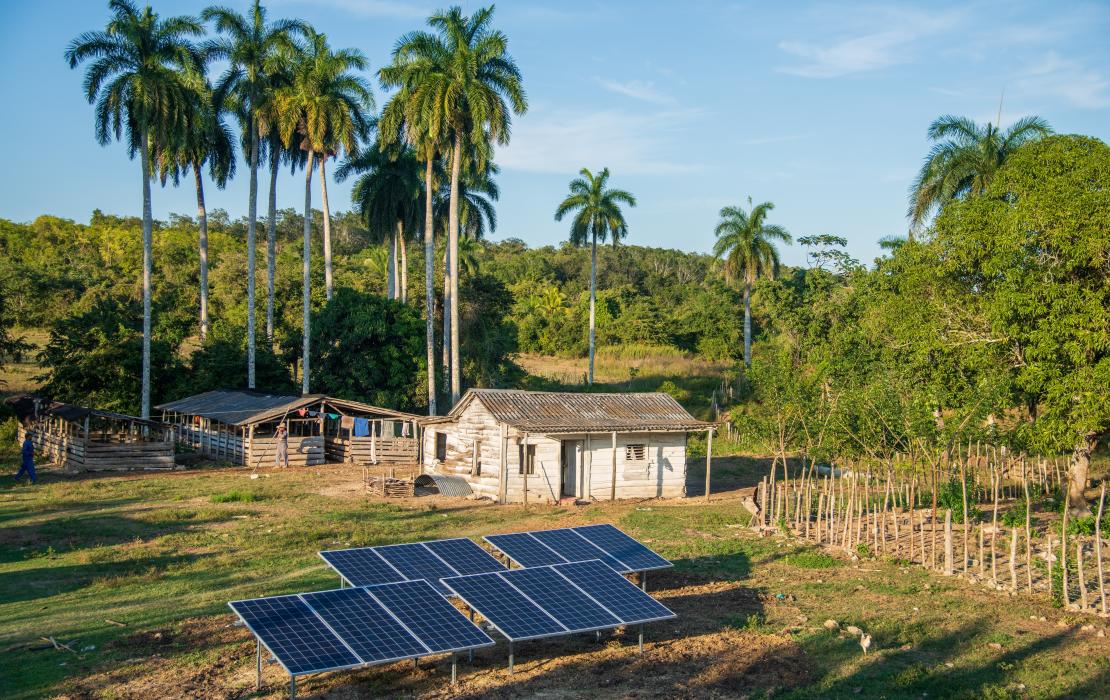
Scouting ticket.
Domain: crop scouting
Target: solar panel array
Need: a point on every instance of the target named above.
(351, 627)
(603, 543)
(557, 600)
(428, 561)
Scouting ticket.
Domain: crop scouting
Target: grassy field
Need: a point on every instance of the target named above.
(133, 573)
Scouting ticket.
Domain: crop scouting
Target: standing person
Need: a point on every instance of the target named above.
(282, 437)
(28, 467)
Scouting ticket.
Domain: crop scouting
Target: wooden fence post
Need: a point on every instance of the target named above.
(708, 459)
(1079, 572)
(948, 563)
(1013, 559)
(1098, 548)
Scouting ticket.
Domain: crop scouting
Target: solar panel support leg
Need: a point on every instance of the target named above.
(641, 639)
(510, 658)
(292, 688)
(643, 581)
(454, 669)
(258, 665)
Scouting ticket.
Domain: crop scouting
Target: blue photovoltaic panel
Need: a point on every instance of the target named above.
(294, 635)
(416, 561)
(620, 546)
(364, 625)
(614, 591)
(362, 566)
(505, 607)
(570, 606)
(573, 547)
(428, 615)
(524, 549)
(465, 556)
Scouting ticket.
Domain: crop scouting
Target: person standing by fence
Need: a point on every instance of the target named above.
(282, 439)
(28, 467)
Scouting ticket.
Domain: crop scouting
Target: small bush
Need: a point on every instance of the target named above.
(236, 497)
(813, 560)
(863, 550)
(9, 434)
(1086, 525)
(952, 496)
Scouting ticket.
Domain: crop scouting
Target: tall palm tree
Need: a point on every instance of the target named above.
(136, 81)
(324, 110)
(205, 140)
(249, 44)
(462, 75)
(388, 197)
(598, 215)
(963, 160)
(747, 243)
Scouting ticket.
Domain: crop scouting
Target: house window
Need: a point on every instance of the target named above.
(635, 452)
(529, 459)
(441, 447)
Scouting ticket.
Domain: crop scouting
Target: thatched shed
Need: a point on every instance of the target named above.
(240, 426)
(514, 446)
(87, 439)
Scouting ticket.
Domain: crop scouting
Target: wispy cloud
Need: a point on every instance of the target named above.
(637, 90)
(1065, 78)
(368, 8)
(889, 39)
(563, 141)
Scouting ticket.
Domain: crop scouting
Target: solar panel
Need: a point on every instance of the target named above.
(562, 600)
(429, 617)
(620, 546)
(505, 607)
(524, 549)
(416, 561)
(367, 628)
(573, 547)
(614, 591)
(464, 556)
(361, 566)
(296, 637)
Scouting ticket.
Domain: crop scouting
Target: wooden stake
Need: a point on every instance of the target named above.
(1028, 539)
(1098, 548)
(1013, 559)
(994, 527)
(1079, 572)
(982, 553)
(1064, 551)
(948, 563)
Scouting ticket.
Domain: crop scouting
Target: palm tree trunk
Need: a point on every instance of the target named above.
(391, 269)
(329, 287)
(202, 225)
(271, 240)
(403, 282)
(593, 302)
(148, 252)
(307, 270)
(747, 324)
(453, 244)
(447, 312)
(252, 220)
(429, 285)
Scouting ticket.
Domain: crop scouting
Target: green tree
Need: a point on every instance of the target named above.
(463, 75)
(249, 45)
(747, 243)
(597, 214)
(379, 337)
(1032, 252)
(964, 159)
(136, 79)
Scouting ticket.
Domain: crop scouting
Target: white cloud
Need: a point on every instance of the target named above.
(636, 89)
(1068, 79)
(368, 8)
(564, 141)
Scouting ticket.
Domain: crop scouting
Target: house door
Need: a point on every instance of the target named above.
(571, 451)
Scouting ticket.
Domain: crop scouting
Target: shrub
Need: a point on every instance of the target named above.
(236, 497)
(9, 434)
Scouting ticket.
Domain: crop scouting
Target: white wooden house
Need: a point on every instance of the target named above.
(513, 446)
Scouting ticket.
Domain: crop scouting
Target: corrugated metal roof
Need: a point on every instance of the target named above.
(558, 412)
(238, 407)
(446, 485)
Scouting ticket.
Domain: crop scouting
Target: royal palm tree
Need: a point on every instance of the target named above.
(388, 196)
(324, 110)
(249, 44)
(963, 160)
(746, 242)
(136, 80)
(598, 215)
(461, 76)
(205, 140)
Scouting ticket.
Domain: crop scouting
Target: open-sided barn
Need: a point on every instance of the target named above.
(240, 426)
(514, 446)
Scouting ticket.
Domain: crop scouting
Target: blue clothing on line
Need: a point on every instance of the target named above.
(362, 428)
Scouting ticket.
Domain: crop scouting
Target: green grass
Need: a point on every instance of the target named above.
(164, 553)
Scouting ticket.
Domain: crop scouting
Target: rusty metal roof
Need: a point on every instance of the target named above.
(244, 407)
(558, 412)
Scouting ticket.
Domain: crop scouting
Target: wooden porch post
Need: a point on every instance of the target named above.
(613, 485)
(587, 491)
(708, 459)
(525, 464)
(503, 465)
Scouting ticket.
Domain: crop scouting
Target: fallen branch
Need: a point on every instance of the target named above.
(114, 622)
(58, 645)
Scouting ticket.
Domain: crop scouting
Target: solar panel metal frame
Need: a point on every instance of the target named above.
(376, 551)
(668, 565)
(632, 589)
(278, 658)
(371, 590)
(493, 543)
(564, 632)
(359, 549)
(603, 554)
(552, 613)
(386, 610)
(451, 561)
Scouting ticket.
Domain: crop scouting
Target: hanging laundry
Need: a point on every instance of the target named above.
(362, 427)
(347, 422)
(332, 416)
(313, 414)
(300, 412)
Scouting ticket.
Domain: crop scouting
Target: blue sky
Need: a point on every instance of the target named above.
(819, 107)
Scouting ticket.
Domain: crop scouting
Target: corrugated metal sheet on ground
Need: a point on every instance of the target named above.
(446, 485)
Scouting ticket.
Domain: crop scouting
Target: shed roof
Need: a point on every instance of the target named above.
(559, 412)
(27, 405)
(244, 407)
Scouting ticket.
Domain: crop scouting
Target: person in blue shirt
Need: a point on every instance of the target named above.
(28, 467)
